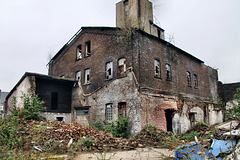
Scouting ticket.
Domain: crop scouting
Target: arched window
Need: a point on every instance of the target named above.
(157, 70)
(189, 81)
(109, 70)
(79, 52)
(168, 72)
(195, 78)
(122, 66)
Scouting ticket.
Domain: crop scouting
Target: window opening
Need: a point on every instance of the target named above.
(82, 112)
(62, 76)
(109, 112)
(54, 101)
(122, 109)
(195, 81)
(159, 33)
(59, 118)
(157, 72)
(192, 119)
(88, 48)
(78, 76)
(169, 116)
(109, 70)
(79, 52)
(87, 76)
(122, 66)
(168, 72)
(189, 79)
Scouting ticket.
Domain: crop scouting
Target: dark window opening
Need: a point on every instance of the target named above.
(79, 52)
(54, 101)
(169, 116)
(205, 115)
(88, 48)
(189, 79)
(192, 119)
(168, 72)
(59, 118)
(159, 33)
(195, 81)
(122, 109)
(125, 2)
(157, 71)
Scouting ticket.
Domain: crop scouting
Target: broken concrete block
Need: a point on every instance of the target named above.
(226, 125)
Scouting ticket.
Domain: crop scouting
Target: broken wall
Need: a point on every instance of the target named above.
(116, 91)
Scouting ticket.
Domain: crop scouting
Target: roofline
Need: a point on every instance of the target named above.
(76, 35)
(38, 76)
(168, 43)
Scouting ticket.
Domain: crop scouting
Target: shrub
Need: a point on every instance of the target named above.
(120, 127)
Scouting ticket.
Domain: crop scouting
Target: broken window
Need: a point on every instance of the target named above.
(78, 76)
(157, 72)
(122, 66)
(62, 76)
(189, 82)
(168, 72)
(87, 76)
(195, 78)
(109, 70)
(79, 52)
(192, 119)
(122, 110)
(87, 48)
(109, 112)
(54, 101)
(82, 112)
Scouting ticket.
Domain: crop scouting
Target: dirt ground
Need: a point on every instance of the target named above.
(137, 154)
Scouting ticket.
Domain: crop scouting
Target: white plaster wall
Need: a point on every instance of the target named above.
(214, 115)
(53, 116)
(199, 116)
(181, 121)
(23, 87)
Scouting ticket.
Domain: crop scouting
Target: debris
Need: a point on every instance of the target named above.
(69, 143)
(228, 125)
(37, 148)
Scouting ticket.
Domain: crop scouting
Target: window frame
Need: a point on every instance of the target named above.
(87, 79)
(109, 65)
(87, 49)
(109, 112)
(80, 76)
(78, 57)
(195, 80)
(189, 79)
(168, 72)
(124, 66)
(157, 75)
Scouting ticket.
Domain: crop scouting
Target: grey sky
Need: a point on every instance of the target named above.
(31, 30)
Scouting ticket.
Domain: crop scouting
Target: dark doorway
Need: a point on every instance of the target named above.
(169, 115)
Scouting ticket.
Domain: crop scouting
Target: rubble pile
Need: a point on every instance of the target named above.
(44, 135)
(152, 137)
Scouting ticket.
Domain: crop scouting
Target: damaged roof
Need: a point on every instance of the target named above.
(79, 33)
(41, 76)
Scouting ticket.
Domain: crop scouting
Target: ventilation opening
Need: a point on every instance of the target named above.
(169, 115)
(59, 118)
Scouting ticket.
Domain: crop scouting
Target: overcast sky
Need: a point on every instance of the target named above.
(32, 30)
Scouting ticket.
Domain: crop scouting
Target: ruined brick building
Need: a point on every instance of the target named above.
(102, 73)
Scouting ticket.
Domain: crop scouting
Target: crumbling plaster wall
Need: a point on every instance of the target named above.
(25, 86)
(119, 90)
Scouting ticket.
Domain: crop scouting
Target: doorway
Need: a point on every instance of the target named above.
(169, 116)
